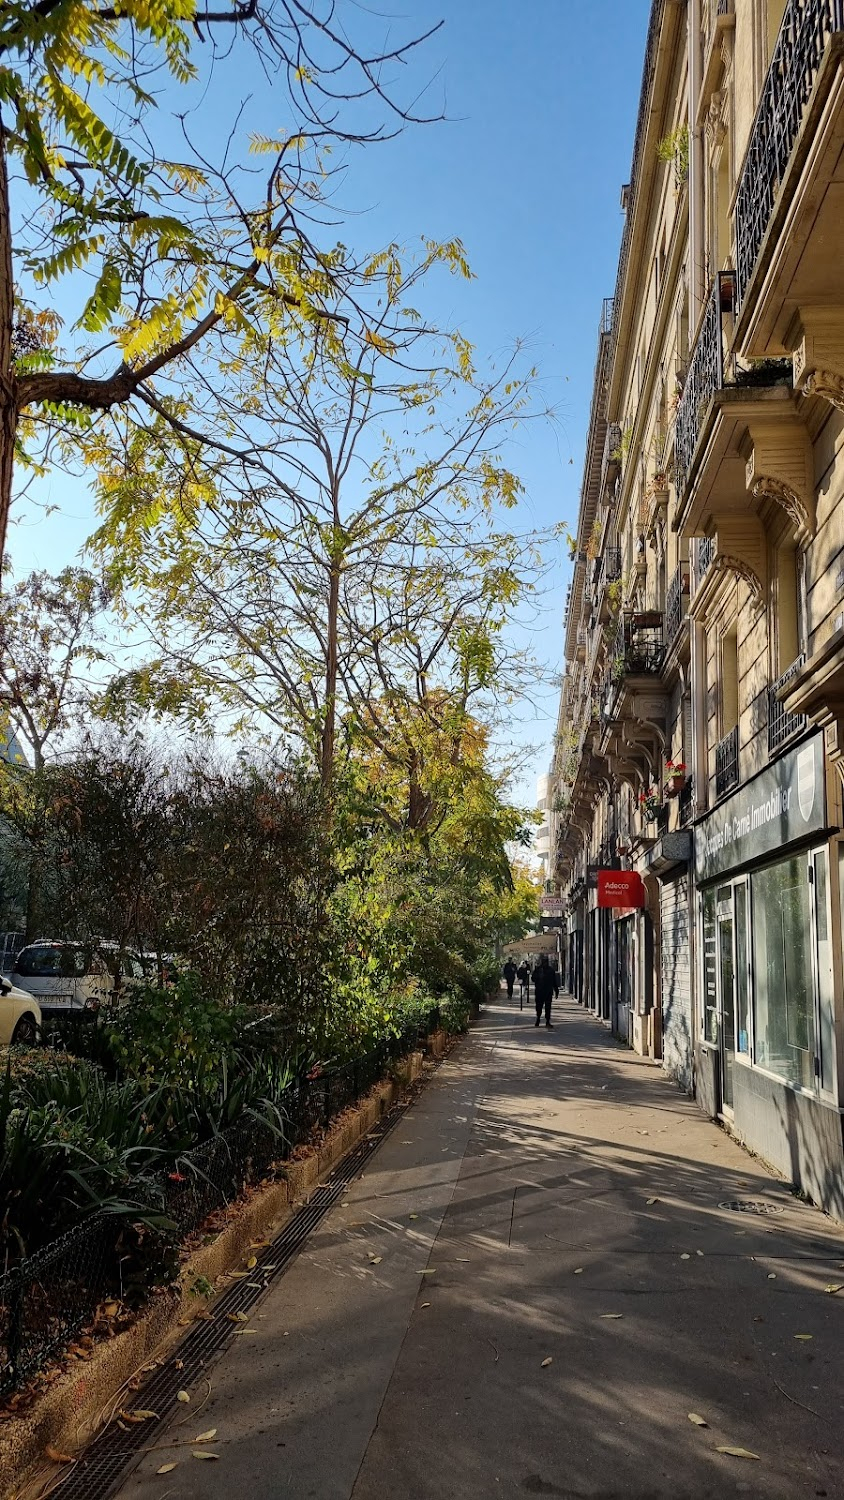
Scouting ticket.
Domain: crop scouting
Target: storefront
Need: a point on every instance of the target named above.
(767, 914)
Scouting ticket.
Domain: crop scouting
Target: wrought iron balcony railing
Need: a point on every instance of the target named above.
(705, 376)
(803, 38)
(639, 645)
(726, 763)
(781, 724)
(706, 548)
(676, 603)
(686, 802)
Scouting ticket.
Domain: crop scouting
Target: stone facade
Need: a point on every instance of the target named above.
(704, 634)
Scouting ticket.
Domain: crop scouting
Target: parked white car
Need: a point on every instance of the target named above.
(20, 1016)
(71, 978)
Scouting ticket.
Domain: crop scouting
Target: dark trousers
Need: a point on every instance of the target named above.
(539, 1006)
(509, 989)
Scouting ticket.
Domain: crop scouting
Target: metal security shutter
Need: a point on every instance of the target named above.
(677, 1035)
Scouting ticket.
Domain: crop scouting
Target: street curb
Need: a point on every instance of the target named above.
(72, 1409)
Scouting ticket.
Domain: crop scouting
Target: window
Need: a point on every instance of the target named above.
(784, 1008)
(775, 12)
(49, 961)
(787, 614)
(729, 681)
(742, 985)
(710, 968)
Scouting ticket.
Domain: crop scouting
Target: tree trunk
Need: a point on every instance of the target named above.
(329, 728)
(8, 394)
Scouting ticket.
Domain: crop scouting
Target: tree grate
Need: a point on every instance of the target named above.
(103, 1465)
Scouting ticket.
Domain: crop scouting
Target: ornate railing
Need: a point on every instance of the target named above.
(705, 376)
(676, 602)
(686, 802)
(781, 724)
(726, 763)
(803, 37)
(639, 645)
(606, 316)
(705, 552)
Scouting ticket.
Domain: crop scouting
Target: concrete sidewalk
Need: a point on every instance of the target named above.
(550, 1196)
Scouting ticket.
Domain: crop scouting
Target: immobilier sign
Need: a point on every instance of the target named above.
(784, 803)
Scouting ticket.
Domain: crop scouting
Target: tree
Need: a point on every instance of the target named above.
(109, 199)
(358, 570)
(50, 639)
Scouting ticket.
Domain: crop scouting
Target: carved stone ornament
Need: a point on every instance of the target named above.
(723, 563)
(768, 488)
(825, 383)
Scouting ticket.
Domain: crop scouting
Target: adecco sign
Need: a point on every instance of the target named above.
(784, 803)
(620, 888)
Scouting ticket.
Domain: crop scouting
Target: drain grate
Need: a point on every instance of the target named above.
(749, 1206)
(103, 1464)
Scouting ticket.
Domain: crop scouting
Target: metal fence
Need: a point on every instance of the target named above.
(48, 1299)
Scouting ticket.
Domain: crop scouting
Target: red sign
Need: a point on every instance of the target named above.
(620, 888)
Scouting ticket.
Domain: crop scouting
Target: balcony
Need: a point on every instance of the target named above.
(782, 724)
(788, 203)
(726, 763)
(676, 604)
(640, 645)
(704, 378)
(706, 549)
(741, 443)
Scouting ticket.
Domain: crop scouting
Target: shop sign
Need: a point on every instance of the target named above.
(551, 906)
(620, 888)
(784, 803)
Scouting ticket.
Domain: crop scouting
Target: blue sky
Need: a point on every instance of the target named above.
(541, 101)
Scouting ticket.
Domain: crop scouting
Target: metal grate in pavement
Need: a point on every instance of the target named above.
(103, 1465)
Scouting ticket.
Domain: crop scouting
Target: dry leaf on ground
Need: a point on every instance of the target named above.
(56, 1457)
(579, 1271)
(685, 1255)
(804, 1337)
(836, 1286)
(547, 1362)
(652, 1200)
(205, 1437)
(735, 1452)
(204, 1453)
(611, 1315)
(183, 1396)
(426, 1304)
(698, 1421)
(166, 1469)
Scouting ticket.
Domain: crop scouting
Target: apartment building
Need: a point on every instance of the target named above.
(699, 755)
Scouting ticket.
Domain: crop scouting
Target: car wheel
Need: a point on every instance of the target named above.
(25, 1033)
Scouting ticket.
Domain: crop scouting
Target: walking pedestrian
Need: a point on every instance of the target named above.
(546, 987)
(510, 977)
(523, 973)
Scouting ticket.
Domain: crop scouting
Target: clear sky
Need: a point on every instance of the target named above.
(541, 99)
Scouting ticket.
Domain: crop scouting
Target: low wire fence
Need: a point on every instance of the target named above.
(49, 1298)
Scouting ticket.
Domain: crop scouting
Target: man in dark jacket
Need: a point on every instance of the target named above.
(546, 986)
(510, 977)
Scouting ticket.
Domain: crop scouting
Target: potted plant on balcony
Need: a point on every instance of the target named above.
(650, 804)
(676, 778)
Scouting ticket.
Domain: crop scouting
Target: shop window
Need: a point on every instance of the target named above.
(823, 940)
(784, 1026)
(742, 1002)
(710, 968)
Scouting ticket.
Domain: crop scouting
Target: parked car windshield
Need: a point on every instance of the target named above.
(42, 961)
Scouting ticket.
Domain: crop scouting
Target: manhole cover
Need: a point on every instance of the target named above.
(749, 1206)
